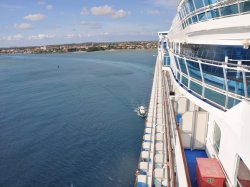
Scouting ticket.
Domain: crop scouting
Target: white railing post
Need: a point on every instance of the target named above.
(203, 82)
(185, 60)
(225, 81)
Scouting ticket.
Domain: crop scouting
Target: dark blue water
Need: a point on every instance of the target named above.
(73, 125)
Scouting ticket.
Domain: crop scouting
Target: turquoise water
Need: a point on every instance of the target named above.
(69, 120)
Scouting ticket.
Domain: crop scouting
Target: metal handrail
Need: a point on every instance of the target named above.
(171, 108)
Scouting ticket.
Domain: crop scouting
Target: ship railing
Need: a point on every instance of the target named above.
(177, 160)
(153, 101)
(185, 17)
(234, 81)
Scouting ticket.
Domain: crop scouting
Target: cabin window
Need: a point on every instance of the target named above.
(217, 137)
(245, 6)
(243, 174)
(229, 10)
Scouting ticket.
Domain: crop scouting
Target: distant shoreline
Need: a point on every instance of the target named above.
(86, 47)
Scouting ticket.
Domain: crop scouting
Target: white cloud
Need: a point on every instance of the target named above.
(108, 11)
(84, 11)
(23, 26)
(35, 17)
(49, 7)
(102, 10)
(120, 14)
(13, 38)
(41, 37)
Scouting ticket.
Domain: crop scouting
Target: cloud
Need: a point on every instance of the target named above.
(41, 37)
(84, 11)
(13, 38)
(108, 11)
(120, 14)
(35, 17)
(91, 25)
(49, 7)
(23, 26)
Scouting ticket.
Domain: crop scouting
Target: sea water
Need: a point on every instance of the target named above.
(68, 120)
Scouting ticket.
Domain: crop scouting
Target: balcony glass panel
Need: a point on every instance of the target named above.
(209, 15)
(213, 14)
(213, 76)
(166, 61)
(209, 2)
(215, 97)
(235, 82)
(194, 19)
(196, 87)
(194, 70)
(185, 81)
(186, 8)
(182, 66)
(248, 84)
(178, 76)
(190, 5)
(202, 16)
(245, 6)
(229, 10)
(232, 102)
(198, 4)
(189, 21)
(184, 11)
(176, 62)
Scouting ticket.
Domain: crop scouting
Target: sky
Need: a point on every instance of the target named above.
(46, 22)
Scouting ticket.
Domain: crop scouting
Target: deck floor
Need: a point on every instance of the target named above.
(191, 162)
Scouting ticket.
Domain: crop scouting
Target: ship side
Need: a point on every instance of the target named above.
(200, 99)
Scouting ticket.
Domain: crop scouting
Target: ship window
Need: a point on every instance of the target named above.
(194, 18)
(209, 2)
(245, 6)
(217, 137)
(229, 10)
(202, 16)
(198, 4)
(243, 175)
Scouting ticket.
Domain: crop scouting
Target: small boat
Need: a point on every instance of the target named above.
(141, 111)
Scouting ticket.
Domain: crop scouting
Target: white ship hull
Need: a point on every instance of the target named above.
(200, 97)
